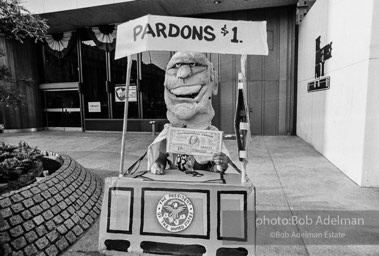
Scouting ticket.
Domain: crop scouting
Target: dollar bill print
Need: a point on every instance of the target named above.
(194, 142)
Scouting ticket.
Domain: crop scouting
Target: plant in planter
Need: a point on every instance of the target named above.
(20, 165)
(6, 151)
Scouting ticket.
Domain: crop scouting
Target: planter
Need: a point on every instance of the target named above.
(51, 163)
(46, 217)
(47, 165)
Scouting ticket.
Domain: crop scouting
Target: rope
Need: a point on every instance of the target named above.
(129, 170)
(234, 166)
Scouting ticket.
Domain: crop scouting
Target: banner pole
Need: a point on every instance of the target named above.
(247, 132)
(126, 108)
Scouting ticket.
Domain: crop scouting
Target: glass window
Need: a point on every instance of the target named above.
(94, 80)
(153, 72)
(118, 80)
(61, 69)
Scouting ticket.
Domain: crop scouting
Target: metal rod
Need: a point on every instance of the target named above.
(243, 71)
(108, 83)
(126, 108)
(243, 175)
(81, 85)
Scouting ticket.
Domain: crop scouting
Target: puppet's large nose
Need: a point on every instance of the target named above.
(184, 72)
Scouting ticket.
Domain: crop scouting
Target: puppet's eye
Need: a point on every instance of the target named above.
(192, 64)
(178, 65)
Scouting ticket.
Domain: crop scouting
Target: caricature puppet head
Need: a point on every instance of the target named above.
(189, 84)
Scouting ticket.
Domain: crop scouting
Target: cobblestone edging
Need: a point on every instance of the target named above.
(46, 217)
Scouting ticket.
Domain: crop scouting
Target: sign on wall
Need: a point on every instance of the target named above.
(94, 106)
(120, 93)
(319, 84)
(322, 54)
(166, 33)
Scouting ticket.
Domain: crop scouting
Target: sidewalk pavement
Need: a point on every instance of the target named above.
(288, 173)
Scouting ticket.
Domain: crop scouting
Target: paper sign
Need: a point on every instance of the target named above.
(119, 92)
(167, 33)
(94, 106)
(132, 93)
(194, 142)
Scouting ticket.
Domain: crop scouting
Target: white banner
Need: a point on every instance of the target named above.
(167, 33)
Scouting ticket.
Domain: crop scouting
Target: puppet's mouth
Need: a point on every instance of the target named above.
(189, 92)
(190, 96)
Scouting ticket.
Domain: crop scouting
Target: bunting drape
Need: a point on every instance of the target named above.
(59, 44)
(104, 36)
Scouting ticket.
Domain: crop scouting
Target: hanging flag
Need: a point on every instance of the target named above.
(242, 120)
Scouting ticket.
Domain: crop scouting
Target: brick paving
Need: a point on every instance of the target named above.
(48, 216)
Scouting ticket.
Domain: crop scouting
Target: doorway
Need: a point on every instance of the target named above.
(62, 109)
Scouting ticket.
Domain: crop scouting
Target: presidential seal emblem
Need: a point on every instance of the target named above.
(175, 212)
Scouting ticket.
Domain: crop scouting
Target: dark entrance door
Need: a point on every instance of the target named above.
(62, 109)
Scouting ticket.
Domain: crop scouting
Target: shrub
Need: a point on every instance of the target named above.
(19, 165)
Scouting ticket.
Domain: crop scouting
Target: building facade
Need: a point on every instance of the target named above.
(77, 83)
(318, 81)
(341, 120)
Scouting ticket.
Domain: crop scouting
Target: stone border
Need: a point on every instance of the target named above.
(48, 216)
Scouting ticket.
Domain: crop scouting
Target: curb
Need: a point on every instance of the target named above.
(48, 216)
